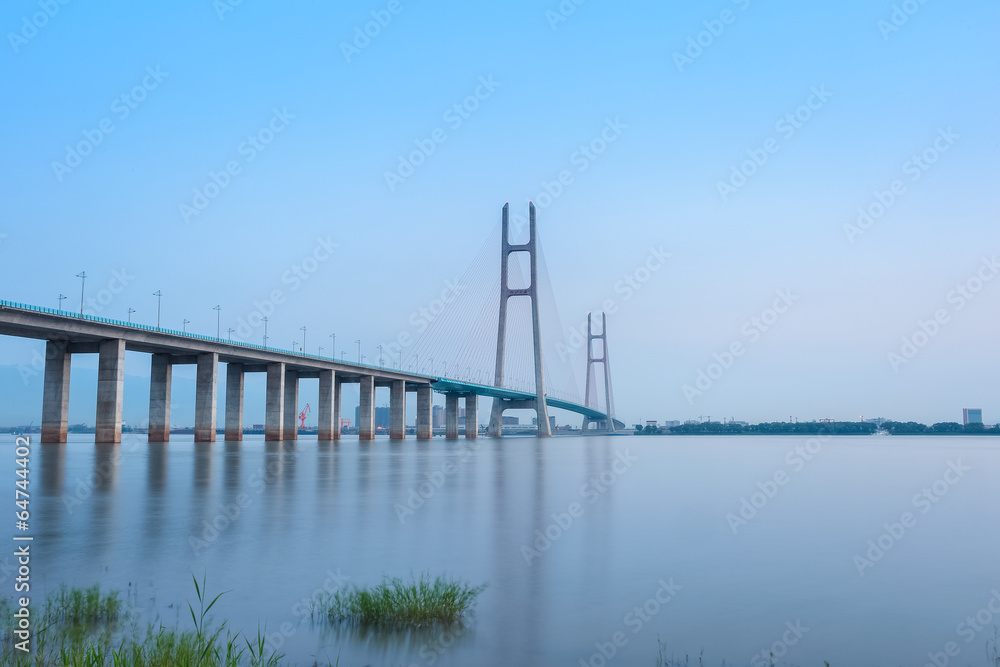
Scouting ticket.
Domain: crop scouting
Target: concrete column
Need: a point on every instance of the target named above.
(55, 395)
(110, 391)
(160, 380)
(337, 385)
(425, 410)
(397, 410)
(451, 416)
(291, 430)
(275, 410)
(234, 402)
(472, 416)
(206, 389)
(326, 391)
(366, 425)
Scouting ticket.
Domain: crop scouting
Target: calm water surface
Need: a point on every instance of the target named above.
(629, 520)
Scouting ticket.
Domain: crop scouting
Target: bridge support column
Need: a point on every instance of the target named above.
(366, 420)
(160, 380)
(495, 429)
(337, 385)
(55, 396)
(425, 426)
(472, 416)
(291, 420)
(397, 410)
(206, 390)
(451, 416)
(275, 410)
(326, 383)
(234, 402)
(110, 391)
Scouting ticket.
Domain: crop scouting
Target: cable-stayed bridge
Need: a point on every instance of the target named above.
(501, 338)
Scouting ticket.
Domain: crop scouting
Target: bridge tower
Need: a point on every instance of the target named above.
(538, 403)
(609, 425)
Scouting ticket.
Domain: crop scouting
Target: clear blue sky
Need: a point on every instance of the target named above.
(343, 120)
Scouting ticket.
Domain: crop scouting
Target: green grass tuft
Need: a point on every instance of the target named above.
(404, 603)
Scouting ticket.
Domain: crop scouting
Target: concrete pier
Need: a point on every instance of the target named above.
(234, 402)
(160, 380)
(472, 416)
(425, 413)
(397, 410)
(55, 396)
(366, 423)
(451, 416)
(291, 421)
(110, 390)
(274, 414)
(205, 399)
(325, 407)
(337, 385)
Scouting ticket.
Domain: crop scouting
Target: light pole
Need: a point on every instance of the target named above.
(62, 297)
(231, 335)
(333, 350)
(342, 356)
(295, 344)
(184, 325)
(264, 320)
(159, 297)
(320, 351)
(130, 311)
(303, 330)
(379, 355)
(218, 322)
(83, 281)
(358, 341)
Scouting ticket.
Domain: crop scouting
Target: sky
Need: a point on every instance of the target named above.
(225, 152)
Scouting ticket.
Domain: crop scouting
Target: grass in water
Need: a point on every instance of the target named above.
(404, 603)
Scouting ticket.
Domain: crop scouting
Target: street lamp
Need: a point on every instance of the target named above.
(231, 335)
(62, 297)
(295, 344)
(358, 341)
(333, 350)
(218, 322)
(264, 320)
(379, 355)
(303, 330)
(130, 311)
(83, 281)
(320, 351)
(184, 324)
(159, 296)
(342, 355)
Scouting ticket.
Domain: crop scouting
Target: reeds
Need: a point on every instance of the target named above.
(396, 602)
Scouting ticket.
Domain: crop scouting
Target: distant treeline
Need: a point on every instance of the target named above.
(814, 428)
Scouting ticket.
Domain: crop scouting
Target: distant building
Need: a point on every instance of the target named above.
(511, 421)
(651, 422)
(437, 416)
(972, 416)
(670, 423)
(878, 421)
(691, 421)
(381, 417)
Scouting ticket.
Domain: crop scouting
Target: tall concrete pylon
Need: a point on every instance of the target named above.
(603, 337)
(538, 403)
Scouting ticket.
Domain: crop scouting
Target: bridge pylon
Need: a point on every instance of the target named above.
(538, 403)
(609, 424)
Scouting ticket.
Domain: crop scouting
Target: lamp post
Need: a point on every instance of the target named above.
(303, 330)
(83, 281)
(231, 334)
(333, 350)
(320, 351)
(130, 311)
(264, 320)
(218, 322)
(358, 341)
(379, 355)
(184, 325)
(159, 297)
(342, 355)
(295, 344)
(62, 297)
